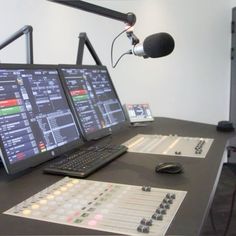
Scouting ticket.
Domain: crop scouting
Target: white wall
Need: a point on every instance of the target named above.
(233, 3)
(191, 84)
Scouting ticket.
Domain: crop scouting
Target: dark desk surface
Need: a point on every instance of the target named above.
(200, 179)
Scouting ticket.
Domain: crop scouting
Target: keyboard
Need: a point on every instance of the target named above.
(85, 161)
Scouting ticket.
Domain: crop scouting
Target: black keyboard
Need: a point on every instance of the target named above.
(85, 161)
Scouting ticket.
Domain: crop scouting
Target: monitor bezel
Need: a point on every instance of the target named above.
(47, 155)
(102, 132)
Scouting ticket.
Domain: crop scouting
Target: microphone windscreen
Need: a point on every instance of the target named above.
(158, 45)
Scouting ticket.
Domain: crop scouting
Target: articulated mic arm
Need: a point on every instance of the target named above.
(128, 18)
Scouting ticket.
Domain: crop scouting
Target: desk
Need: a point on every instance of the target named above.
(200, 179)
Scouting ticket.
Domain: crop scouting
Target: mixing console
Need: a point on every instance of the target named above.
(171, 145)
(116, 208)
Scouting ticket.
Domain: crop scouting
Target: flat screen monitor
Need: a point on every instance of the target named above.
(138, 112)
(36, 122)
(94, 99)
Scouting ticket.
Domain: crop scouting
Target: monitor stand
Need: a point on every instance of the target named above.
(139, 124)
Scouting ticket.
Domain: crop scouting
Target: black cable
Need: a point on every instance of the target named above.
(125, 53)
(112, 46)
(212, 221)
(230, 213)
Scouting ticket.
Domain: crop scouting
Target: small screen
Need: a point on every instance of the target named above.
(94, 97)
(139, 112)
(34, 114)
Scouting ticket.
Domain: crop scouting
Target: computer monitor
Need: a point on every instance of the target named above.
(94, 99)
(36, 122)
(138, 112)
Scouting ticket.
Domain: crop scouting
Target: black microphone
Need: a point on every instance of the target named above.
(155, 45)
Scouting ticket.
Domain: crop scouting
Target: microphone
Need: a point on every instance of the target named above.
(155, 45)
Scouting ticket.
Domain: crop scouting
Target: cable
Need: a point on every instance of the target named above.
(230, 213)
(112, 46)
(126, 53)
(212, 221)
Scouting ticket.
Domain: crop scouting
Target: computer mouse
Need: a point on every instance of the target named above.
(169, 167)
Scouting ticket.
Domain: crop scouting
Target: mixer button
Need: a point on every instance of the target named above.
(85, 215)
(161, 211)
(91, 209)
(33, 199)
(177, 152)
(77, 221)
(170, 196)
(143, 229)
(98, 203)
(157, 216)
(165, 206)
(98, 217)
(168, 201)
(146, 188)
(26, 212)
(92, 223)
(146, 222)
(35, 206)
(162, 206)
(16, 210)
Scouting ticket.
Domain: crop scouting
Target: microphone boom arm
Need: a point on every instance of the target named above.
(28, 31)
(128, 18)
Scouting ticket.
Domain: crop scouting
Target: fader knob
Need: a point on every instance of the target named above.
(161, 211)
(170, 196)
(166, 200)
(170, 201)
(157, 216)
(166, 206)
(143, 229)
(146, 222)
(146, 188)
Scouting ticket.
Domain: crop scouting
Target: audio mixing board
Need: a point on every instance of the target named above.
(172, 145)
(117, 208)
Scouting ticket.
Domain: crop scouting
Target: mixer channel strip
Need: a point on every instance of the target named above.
(116, 208)
(85, 161)
(170, 145)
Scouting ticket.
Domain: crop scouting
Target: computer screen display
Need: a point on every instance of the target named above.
(35, 117)
(94, 98)
(138, 112)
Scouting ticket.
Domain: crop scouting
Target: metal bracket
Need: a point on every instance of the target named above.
(84, 40)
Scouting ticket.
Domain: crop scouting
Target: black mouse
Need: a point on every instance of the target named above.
(169, 167)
